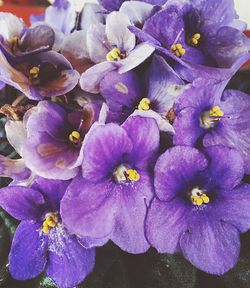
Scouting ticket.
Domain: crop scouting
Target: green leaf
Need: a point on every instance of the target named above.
(154, 270)
(239, 276)
(110, 270)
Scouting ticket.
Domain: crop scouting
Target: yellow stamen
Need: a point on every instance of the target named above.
(210, 117)
(216, 111)
(114, 55)
(178, 50)
(133, 175)
(144, 104)
(200, 199)
(75, 137)
(34, 72)
(195, 39)
(15, 43)
(50, 221)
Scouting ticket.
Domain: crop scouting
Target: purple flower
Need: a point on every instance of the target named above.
(124, 93)
(15, 168)
(203, 115)
(41, 241)
(112, 46)
(109, 200)
(199, 33)
(111, 5)
(53, 148)
(16, 40)
(200, 206)
(44, 74)
(64, 13)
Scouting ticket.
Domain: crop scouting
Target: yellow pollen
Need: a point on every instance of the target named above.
(200, 199)
(114, 55)
(133, 175)
(216, 112)
(50, 221)
(144, 104)
(75, 137)
(178, 50)
(195, 39)
(34, 72)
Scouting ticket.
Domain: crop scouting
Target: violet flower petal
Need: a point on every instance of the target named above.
(128, 231)
(69, 263)
(171, 178)
(144, 148)
(233, 131)
(40, 36)
(90, 79)
(28, 252)
(103, 151)
(118, 33)
(49, 158)
(22, 203)
(226, 167)
(89, 209)
(165, 223)
(210, 245)
(233, 207)
(97, 43)
(13, 168)
(136, 57)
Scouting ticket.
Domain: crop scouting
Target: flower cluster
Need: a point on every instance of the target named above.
(125, 131)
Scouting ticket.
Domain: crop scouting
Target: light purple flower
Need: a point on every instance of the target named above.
(41, 241)
(201, 33)
(112, 47)
(206, 115)
(200, 206)
(15, 168)
(111, 5)
(153, 95)
(109, 200)
(53, 148)
(61, 16)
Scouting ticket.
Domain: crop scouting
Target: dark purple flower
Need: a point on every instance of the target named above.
(112, 47)
(53, 148)
(111, 5)
(44, 74)
(41, 241)
(17, 40)
(198, 33)
(109, 200)
(124, 93)
(200, 206)
(204, 115)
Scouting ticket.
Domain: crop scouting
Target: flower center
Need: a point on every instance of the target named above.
(34, 72)
(144, 104)
(75, 138)
(195, 39)
(198, 197)
(124, 174)
(15, 42)
(50, 221)
(115, 55)
(178, 50)
(210, 118)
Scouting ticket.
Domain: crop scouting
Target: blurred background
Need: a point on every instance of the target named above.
(36, 6)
